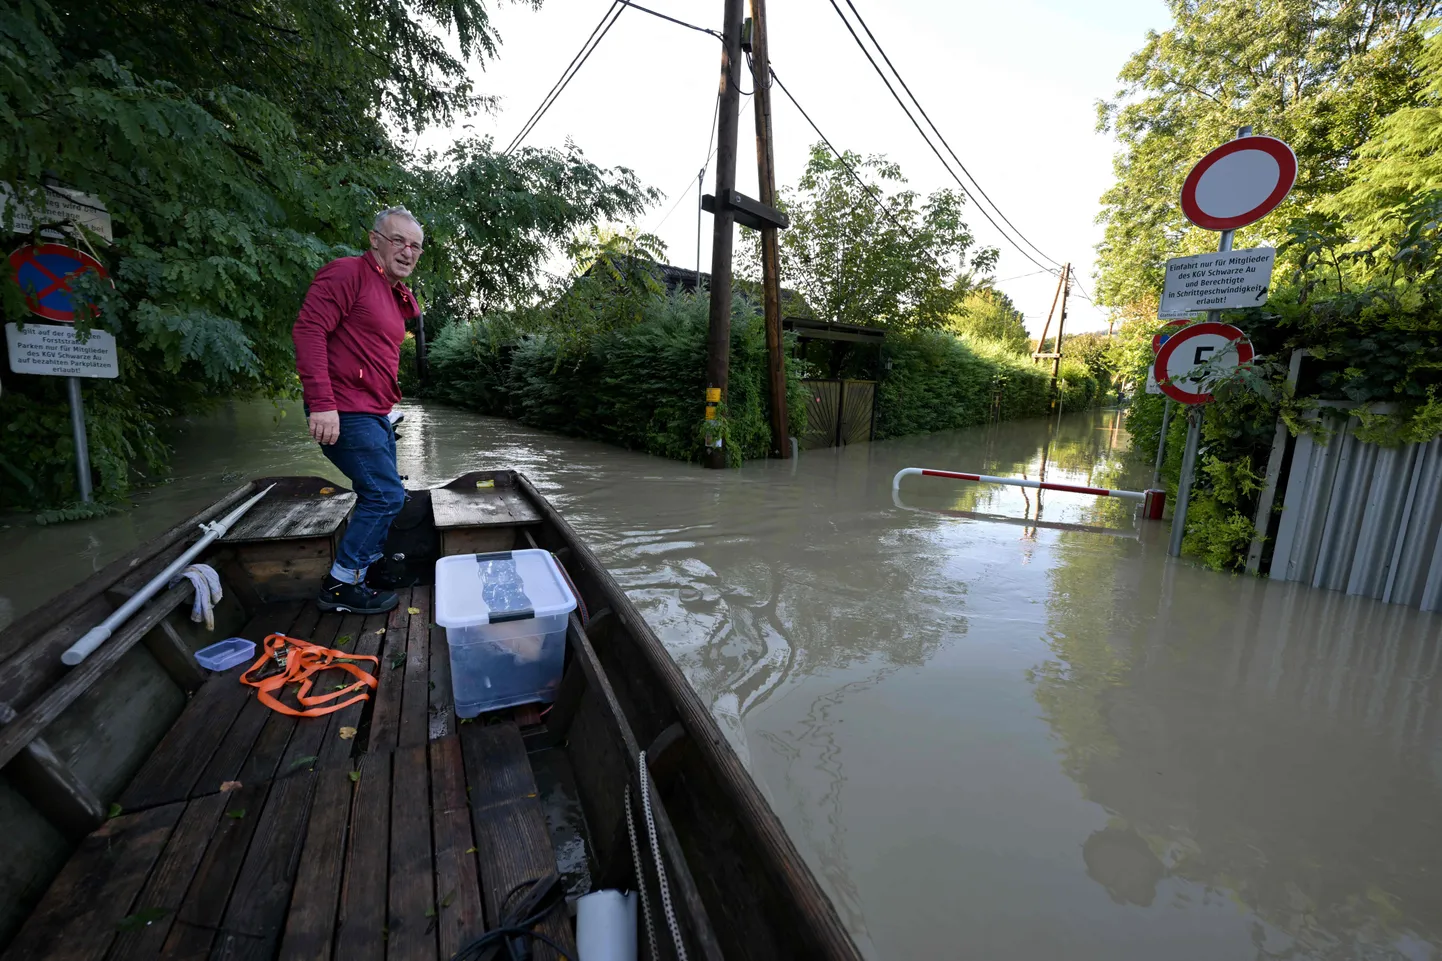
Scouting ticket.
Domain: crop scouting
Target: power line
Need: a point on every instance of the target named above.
(904, 109)
(682, 23)
(1020, 276)
(574, 67)
(930, 123)
(870, 191)
(685, 191)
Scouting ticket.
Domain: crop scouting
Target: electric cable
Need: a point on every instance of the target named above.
(901, 103)
(574, 67)
(881, 50)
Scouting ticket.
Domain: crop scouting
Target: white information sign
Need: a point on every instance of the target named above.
(62, 205)
(1152, 386)
(57, 351)
(1221, 281)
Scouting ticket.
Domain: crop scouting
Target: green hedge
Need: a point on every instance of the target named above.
(639, 386)
(941, 382)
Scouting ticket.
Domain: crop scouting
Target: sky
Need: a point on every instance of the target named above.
(1012, 86)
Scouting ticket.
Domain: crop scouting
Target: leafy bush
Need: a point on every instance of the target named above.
(637, 384)
(941, 382)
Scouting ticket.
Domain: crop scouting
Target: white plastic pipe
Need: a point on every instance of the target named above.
(99, 634)
(606, 926)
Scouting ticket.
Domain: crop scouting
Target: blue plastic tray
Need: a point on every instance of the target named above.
(224, 655)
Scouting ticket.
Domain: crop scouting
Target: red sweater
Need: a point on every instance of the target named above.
(348, 337)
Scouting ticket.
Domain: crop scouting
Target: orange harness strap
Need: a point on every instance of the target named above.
(301, 660)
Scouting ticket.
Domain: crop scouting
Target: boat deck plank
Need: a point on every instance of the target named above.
(330, 863)
(489, 507)
(290, 515)
(174, 769)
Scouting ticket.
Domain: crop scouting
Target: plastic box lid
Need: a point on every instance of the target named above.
(473, 589)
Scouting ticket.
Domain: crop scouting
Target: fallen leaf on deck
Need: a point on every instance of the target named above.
(327, 490)
(229, 786)
(446, 901)
(141, 919)
(238, 813)
(302, 761)
(485, 484)
(339, 687)
(381, 631)
(413, 610)
(342, 641)
(431, 911)
(346, 733)
(470, 850)
(115, 810)
(397, 660)
(355, 775)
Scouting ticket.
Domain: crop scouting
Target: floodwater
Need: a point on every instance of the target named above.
(991, 738)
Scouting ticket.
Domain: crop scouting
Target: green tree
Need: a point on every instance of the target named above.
(857, 265)
(1319, 74)
(238, 146)
(986, 313)
(1398, 173)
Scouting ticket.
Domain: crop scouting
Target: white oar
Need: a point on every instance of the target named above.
(214, 531)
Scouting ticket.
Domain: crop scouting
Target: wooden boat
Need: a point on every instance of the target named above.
(213, 826)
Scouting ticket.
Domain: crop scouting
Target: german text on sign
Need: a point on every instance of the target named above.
(1227, 280)
(54, 351)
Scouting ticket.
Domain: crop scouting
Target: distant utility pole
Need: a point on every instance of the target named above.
(1063, 290)
(770, 246)
(718, 341)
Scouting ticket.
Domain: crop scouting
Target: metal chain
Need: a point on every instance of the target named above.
(641, 879)
(660, 867)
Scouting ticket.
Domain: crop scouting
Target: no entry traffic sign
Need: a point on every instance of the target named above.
(1239, 183)
(44, 274)
(1196, 345)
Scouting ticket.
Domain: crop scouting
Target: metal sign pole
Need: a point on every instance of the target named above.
(82, 446)
(1162, 444)
(1194, 424)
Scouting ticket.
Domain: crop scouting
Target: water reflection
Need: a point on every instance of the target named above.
(1006, 734)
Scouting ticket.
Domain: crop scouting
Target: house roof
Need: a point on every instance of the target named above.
(793, 305)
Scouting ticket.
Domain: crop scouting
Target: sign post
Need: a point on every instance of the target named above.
(1236, 184)
(43, 272)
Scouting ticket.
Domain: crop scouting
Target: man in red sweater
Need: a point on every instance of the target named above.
(347, 352)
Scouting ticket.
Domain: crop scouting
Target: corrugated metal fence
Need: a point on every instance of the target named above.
(1363, 519)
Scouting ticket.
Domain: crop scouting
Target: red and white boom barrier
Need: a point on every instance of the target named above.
(1154, 502)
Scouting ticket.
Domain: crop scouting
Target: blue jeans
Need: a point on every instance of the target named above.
(366, 453)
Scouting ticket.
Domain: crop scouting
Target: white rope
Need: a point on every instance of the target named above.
(660, 867)
(207, 593)
(641, 880)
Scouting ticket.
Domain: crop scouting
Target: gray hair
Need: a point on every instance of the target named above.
(390, 212)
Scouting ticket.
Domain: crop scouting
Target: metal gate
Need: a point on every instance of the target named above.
(839, 412)
(1364, 519)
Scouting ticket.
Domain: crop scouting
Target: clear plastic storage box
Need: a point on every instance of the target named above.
(505, 619)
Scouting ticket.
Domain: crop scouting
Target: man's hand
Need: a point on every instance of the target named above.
(325, 426)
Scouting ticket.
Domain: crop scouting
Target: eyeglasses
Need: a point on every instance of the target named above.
(400, 244)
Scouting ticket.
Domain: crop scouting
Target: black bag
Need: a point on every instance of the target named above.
(412, 547)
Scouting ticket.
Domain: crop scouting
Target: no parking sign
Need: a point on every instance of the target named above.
(44, 273)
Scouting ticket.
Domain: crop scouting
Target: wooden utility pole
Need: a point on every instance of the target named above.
(770, 245)
(1060, 324)
(1063, 289)
(718, 341)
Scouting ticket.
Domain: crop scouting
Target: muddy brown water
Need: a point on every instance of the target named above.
(991, 737)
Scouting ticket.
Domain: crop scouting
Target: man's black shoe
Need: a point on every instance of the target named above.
(353, 598)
